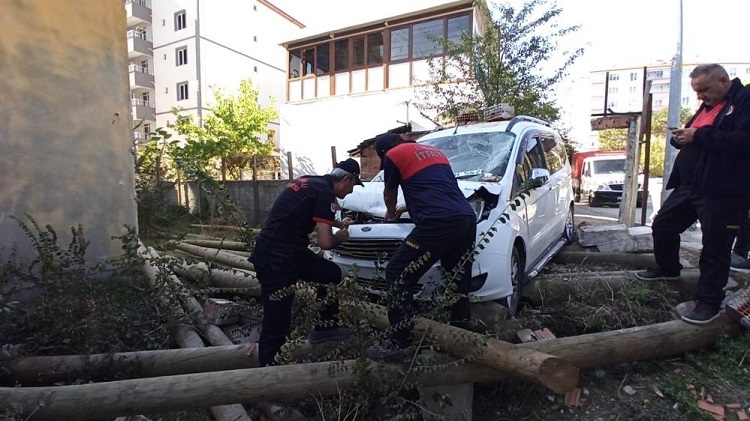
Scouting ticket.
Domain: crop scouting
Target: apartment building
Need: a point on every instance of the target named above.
(625, 88)
(347, 84)
(180, 49)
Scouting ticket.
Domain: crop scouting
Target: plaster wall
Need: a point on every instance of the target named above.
(65, 122)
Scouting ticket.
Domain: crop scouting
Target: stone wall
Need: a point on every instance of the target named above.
(65, 122)
(254, 204)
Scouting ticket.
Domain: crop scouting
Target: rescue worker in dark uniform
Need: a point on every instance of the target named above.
(710, 178)
(445, 229)
(281, 255)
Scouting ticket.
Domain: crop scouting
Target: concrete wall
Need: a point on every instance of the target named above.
(65, 122)
(243, 193)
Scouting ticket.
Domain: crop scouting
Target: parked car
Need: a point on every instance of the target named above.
(492, 162)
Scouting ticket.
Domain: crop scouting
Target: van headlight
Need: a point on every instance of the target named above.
(478, 206)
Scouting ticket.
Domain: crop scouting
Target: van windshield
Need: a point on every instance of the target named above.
(476, 156)
(609, 166)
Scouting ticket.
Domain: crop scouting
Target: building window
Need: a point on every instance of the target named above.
(426, 40)
(147, 128)
(375, 49)
(633, 76)
(323, 59)
(457, 28)
(308, 61)
(654, 74)
(358, 52)
(182, 91)
(181, 55)
(658, 103)
(613, 89)
(747, 70)
(180, 20)
(614, 76)
(255, 38)
(612, 104)
(255, 69)
(295, 63)
(341, 55)
(685, 101)
(732, 72)
(633, 89)
(399, 44)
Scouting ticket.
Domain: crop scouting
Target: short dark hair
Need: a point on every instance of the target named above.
(714, 70)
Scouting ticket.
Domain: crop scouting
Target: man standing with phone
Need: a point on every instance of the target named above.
(710, 179)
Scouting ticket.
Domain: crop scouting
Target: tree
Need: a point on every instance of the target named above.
(501, 65)
(230, 135)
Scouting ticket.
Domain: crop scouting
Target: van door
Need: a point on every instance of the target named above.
(559, 168)
(539, 204)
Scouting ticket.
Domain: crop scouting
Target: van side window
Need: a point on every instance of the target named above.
(551, 153)
(534, 158)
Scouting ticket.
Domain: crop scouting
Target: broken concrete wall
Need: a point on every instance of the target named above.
(65, 122)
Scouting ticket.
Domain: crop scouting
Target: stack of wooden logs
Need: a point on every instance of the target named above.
(223, 374)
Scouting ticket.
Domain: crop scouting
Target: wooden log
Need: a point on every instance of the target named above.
(219, 244)
(187, 338)
(218, 256)
(549, 288)
(232, 228)
(628, 260)
(552, 372)
(296, 381)
(51, 369)
(160, 394)
(222, 278)
(191, 236)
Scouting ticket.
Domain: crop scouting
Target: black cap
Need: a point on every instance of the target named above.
(384, 142)
(352, 167)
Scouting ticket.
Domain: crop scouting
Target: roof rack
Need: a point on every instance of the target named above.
(520, 118)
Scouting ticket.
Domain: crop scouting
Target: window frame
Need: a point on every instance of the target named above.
(178, 53)
(180, 18)
(180, 91)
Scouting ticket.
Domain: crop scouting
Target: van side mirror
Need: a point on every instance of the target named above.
(541, 174)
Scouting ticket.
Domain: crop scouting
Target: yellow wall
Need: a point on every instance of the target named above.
(65, 121)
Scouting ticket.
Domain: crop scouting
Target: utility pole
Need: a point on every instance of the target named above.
(673, 113)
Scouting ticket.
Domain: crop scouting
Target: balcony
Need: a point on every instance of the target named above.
(138, 11)
(139, 44)
(140, 77)
(143, 110)
(141, 138)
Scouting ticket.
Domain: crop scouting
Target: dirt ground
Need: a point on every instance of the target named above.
(662, 389)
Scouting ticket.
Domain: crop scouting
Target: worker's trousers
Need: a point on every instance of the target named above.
(720, 218)
(449, 240)
(277, 298)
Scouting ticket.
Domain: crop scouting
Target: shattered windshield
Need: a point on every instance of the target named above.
(476, 156)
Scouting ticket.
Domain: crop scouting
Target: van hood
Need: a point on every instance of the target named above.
(369, 198)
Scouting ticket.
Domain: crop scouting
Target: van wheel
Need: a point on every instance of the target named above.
(512, 302)
(569, 233)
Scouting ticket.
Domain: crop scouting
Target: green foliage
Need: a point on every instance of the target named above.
(230, 135)
(502, 65)
(57, 305)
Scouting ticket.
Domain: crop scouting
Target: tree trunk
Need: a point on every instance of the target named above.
(556, 287)
(219, 244)
(49, 369)
(214, 255)
(222, 278)
(163, 394)
(97, 400)
(555, 373)
(188, 337)
(637, 343)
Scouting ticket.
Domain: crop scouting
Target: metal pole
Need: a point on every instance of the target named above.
(673, 114)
